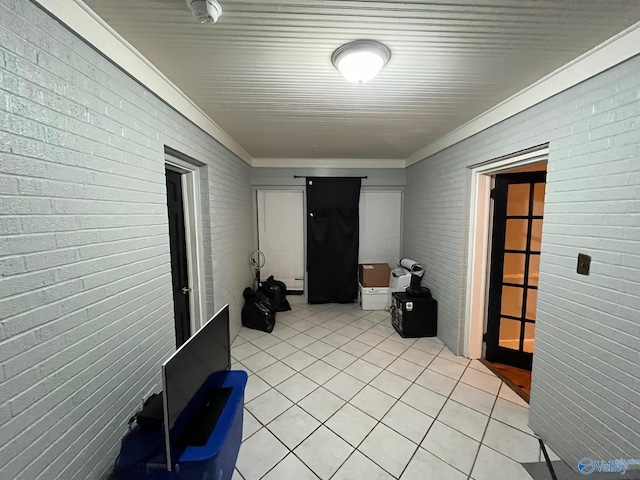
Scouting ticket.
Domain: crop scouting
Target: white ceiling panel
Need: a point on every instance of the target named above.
(264, 74)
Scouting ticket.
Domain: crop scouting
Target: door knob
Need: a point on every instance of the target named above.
(186, 290)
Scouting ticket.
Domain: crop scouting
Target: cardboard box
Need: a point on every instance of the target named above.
(373, 298)
(374, 274)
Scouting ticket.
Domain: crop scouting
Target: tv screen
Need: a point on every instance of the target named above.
(204, 356)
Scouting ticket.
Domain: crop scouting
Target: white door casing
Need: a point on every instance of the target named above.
(479, 242)
(193, 237)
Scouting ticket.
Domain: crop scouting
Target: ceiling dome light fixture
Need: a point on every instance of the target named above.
(205, 11)
(361, 61)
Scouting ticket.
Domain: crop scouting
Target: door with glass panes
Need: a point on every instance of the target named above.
(518, 200)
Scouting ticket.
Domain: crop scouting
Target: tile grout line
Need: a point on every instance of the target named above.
(484, 432)
(346, 402)
(383, 369)
(289, 408)
(436, 417)
(378, 422)
(331, 416)
(308, 413)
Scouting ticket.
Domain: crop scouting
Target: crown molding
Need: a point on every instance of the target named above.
(327, 163)
(608, 54)
(78, 17)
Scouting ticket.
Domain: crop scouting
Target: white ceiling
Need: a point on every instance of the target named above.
(263, 73)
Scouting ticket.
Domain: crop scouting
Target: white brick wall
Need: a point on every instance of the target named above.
(86, 313)
(586, 383)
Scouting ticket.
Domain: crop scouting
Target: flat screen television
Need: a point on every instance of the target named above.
(192, 408)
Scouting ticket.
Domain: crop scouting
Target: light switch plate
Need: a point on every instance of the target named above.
(584, 263)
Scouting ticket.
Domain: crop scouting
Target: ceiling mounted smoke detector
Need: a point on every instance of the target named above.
(362, 60)
(205, 11)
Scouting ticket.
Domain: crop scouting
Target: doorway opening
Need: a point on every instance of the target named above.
(504, 253)
(186, 247)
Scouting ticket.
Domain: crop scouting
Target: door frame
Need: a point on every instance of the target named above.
(478, 253)
(193, 237)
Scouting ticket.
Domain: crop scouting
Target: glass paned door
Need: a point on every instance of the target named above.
(515, 265)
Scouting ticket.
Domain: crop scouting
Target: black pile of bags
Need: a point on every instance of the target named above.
(260, 307)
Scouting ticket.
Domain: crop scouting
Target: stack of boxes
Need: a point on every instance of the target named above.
(373, 286)
(380, 288)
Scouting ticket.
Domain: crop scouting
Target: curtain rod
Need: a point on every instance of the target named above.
(300, 176)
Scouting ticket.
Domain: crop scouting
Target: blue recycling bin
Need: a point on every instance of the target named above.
(142, 454)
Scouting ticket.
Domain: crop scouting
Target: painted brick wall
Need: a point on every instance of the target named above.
(86, 313)
(585, 379)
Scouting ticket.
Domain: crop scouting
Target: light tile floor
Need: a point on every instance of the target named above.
(335, 393)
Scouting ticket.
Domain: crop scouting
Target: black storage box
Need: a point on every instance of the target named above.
(414, 316)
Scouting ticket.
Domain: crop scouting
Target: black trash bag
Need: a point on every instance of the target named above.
(277, 293)
(151, 414)
(258, 313)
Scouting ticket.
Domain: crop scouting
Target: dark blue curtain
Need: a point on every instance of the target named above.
(332, 239)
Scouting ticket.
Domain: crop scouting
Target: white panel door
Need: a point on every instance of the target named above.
(281, 235)
(380, 225)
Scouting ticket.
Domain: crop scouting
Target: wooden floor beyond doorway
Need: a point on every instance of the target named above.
(519, 380)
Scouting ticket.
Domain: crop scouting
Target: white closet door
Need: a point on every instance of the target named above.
(380, 225)
(281, 235)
